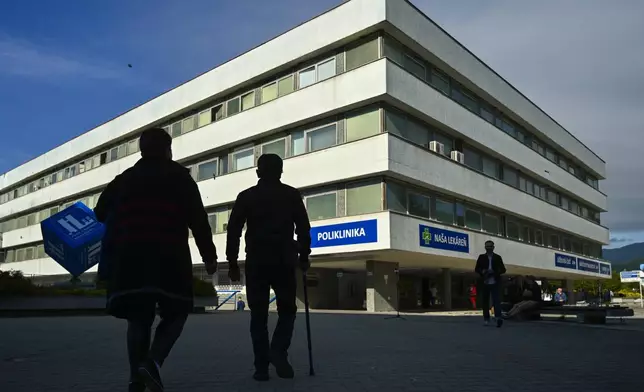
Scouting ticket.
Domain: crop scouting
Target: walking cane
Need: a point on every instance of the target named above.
(308, 324)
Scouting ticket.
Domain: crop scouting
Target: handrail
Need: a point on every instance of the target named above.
(232, 295)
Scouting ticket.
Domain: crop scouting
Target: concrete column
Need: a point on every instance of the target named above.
(569, 287)
(382, 286)
(446, 292)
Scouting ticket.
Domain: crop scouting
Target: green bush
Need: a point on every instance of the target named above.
(14, 283)
(202, 288)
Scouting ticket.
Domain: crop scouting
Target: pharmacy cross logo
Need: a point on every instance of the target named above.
(427, 236)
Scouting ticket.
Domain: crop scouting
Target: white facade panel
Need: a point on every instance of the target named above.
(440, 173)
(342, 22)
(427, 34)
(351, 88)
(408, 89)
(405, 236)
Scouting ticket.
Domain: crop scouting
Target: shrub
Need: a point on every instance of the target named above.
(14, 283)
(202, 288)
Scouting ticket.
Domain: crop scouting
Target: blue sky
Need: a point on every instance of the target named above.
(63, 67)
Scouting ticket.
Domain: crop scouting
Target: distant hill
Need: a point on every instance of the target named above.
(625, 254)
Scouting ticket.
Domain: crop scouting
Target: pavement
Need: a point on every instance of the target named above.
(352, 352)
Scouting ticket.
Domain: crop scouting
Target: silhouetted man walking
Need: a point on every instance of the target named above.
(147, 211)
(490, 267)
(271, 211)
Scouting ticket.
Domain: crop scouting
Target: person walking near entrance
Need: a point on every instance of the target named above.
(147, 211)
(272, 211)
(490, 267)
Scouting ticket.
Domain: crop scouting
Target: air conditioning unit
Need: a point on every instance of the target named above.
(458, 156)
(437, 147)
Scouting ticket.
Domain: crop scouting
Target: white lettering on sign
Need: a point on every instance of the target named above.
(72, 225)
(340, 234)
(443, 239)
(57, 250)
(587, 265)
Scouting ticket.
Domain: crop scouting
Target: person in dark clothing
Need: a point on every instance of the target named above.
(147, 211)
(271, 211)
(530, 303)
(490, 267)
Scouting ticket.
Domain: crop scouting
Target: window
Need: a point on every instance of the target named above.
(538, 147)
(510, 176)
(572, 170)
(221, 219)
(205, 118)
(363, 125)
(133, 146)
(276, 147)
(473, 159)
(563, 164)
(512, 230)
(269, 92)
(527, 234)
(217, 113)
(506, 126)
(553, 241)
(414, 66)
(285, 86)
(326, 70)
(460, 214)
(29, 253)
(122, 151)
(552, 197)
(362, 54)
(306, 77)
(491, 167)
(207, 170)
(321, 206)
(444, 211)
(176, 131)
(538, 237)
(396, 198)
(248, 100)
(539, 191)
(20, 254)
(9, 256)
(418, 205)
(574, 207)
(576, 247)
(440, 81)
(491, 223)
(447, 142)
(188, 124)
(566, 244)
(102, 158)
(321, 138)
(298, 145)
(473, 219)
(410, 130)
(364, 198)
(565, 203)
(465, 98)
(550, 154)
(233, 106)
(392, 50)
(243, 159)
(32, 219)
(212, 221)
(487, 114)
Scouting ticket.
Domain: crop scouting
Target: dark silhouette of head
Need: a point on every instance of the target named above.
(269, 167)
(489, 246)
(155, 143)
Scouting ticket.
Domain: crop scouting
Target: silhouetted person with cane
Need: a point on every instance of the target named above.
(490, 267)
(147, 211)
(272, 211)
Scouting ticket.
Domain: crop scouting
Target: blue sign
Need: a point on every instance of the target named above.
(73, 238)
(350, 233)
(604, 269)
(433, 237)
(587, 265)
(564, 261)
(629, 275)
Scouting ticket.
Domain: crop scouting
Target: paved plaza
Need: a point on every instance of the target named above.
(352, 353)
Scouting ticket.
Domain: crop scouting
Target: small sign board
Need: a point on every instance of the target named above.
(631, 276)
(73, 237)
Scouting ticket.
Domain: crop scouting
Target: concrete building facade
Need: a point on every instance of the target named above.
(410, 153)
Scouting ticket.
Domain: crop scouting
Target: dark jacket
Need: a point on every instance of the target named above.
(148, 210)
(482, 263)
(272, 212)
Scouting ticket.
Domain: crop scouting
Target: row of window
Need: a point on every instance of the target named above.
(366, 196)
(360, 198)
(444, 209)
(429, 73)
(353, 56)
(422, 134)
